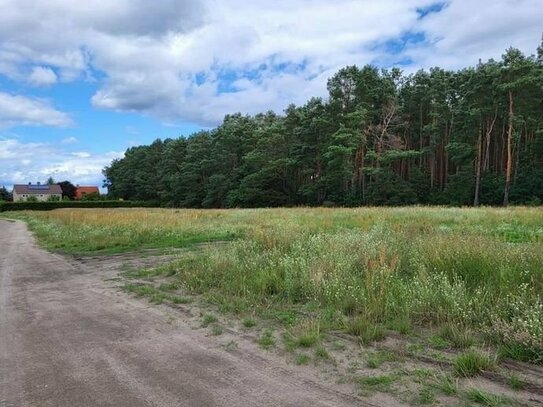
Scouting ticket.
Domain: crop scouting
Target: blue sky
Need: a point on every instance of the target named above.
(82, 81)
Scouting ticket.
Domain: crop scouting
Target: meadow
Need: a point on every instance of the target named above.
(473, 275)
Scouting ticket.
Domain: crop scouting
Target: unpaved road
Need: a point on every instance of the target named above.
(67, 338)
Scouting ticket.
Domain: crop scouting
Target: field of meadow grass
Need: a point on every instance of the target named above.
(430, 305)
(471, 277)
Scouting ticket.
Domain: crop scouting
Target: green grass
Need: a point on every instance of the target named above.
(322, 353)
(515, 382)
(155, 295)
(446, 384)
(472, 363)
(216, 330)
(302, 359)
(486, 399)
(458, 337)
(382, 383)
(267, 339)
(474, 272)
(248, 322)
(306, 334)
(375, 360)
(425, 397)
(366, 331)
(208, 319)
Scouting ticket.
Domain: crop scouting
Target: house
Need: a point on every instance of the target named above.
(40, 192)
(80, 192)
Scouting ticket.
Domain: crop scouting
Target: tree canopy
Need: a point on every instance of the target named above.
(472, 136)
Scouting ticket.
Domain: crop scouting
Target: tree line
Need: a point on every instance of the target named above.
(467, 137)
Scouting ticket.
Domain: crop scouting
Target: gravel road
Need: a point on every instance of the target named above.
(68, 338)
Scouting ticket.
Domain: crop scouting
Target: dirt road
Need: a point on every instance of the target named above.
(68, 338)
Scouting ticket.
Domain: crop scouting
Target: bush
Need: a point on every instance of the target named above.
(48, 206)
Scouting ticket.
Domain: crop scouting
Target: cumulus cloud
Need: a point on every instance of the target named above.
(30, 162)
(21, 110)
(42, 76)
(182, 60)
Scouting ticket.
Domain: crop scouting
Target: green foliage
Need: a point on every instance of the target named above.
(366, 331)
(381, 138)
(266, 340)
(472, 363)
(485, 398)
(5, 195)
(458, 337)
(516, 382)
(249, 322)
(34, 205)
(68, 190)
(208, 319)
(302, 359)
(381, 383)
(93, 196)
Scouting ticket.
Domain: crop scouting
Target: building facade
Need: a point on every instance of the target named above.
(39, 192)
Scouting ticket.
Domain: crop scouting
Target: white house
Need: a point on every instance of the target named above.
(42, 192)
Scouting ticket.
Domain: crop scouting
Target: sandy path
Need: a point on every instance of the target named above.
(69, 339)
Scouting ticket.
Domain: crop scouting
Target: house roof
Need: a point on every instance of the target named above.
(80, 191)
(42, 189)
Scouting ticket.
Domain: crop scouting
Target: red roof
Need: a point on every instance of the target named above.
(80, 191)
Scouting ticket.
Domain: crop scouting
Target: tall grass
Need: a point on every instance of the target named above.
(479, 269)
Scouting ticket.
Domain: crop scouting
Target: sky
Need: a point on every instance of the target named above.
(82, 81)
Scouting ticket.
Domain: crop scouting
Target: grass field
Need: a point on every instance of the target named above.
(428, 306)
(474, 275)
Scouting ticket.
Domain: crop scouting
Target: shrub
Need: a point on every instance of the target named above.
(50, 205)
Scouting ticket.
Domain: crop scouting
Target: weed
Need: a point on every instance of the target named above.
(307, 334)
(231, 346)
(266, 340)
(168, 286)
(381, 383)
(516, 382)
(365, 330)
(447, 384)
(400, 325)
(216, 330)
(322, 353)
(485, 398)
(425, 397)
(302, 359)
(438, 342)
(248, 322)
(472, 363)
(458, 337)
(208, 319)
(520, 352)
(375, 360)
(179, 300)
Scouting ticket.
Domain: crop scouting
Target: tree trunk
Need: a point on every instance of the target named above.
(509, 152)
(478, 167)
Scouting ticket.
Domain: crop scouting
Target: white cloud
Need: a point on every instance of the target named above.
(69, 140)
(21, 110)
(81, 154)
(173, 59)
(31, 162)
(42, 76)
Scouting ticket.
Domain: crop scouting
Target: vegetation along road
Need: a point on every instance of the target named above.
(67, 339)
(286, 307)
